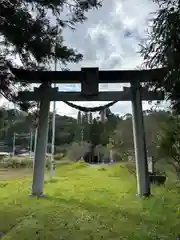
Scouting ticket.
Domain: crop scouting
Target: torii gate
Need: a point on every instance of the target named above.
(90, 79)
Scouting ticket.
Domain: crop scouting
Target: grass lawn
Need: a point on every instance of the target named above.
(88, 203)
(11, 174)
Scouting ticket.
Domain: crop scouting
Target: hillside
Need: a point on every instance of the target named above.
(17, 121)
(67, 130)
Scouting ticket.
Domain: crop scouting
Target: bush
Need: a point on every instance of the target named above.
(16, 162)
(117, 156)
(48, 163)
(80, 164)
(102, 169)
(62, 149)
(58, 156)
(131, 167)
(76, 150)
(156, 178)
(20, 162)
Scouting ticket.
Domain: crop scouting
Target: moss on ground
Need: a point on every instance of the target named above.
(85, 203)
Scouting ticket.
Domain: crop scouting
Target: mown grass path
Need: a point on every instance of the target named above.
(87, 203)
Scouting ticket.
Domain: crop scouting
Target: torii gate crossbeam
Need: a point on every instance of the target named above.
(89, 79)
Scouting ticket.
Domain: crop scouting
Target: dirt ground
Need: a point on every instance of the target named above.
(8, 174)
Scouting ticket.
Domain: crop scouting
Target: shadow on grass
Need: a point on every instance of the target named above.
(142, 219)
(52, 180)
(3, 184)
(105, 211)
(11, 216)
(61, 210)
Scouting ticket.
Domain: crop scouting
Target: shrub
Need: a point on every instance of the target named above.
(58, 156)
(20, 162)
(62, 149)
(131, 167)
(117, 156)
(80, 164)
(76, 150)
(156, 178)
(102, 169)
(16, 162)
(48, 163)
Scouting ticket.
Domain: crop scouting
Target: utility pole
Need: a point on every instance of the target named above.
(14, 143)
(30, 145)
(82, 137)
(35, 143)
(53, 126)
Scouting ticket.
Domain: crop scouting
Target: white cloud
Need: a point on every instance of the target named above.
(110, 39)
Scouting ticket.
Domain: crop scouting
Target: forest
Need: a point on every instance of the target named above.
(113, 128)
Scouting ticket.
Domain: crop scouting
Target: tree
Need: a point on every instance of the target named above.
(162, 48)
(79, 118)
(95, 132)
(169, 142)
(90, 118)
(32, 30)
(21, 122)
(85, 118)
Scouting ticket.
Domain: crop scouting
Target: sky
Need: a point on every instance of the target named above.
(110, 40)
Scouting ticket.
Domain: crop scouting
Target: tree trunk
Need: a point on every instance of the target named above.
(178, 174)
(176, 166)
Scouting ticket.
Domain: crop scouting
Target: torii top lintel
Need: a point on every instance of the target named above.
(102, 76)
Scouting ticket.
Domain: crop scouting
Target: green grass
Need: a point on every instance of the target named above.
(88, 203)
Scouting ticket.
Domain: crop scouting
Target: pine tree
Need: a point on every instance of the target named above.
(86, 117)
(102, 113)
(162, 49)
(90, 118)
(79, 117)
(28, 32)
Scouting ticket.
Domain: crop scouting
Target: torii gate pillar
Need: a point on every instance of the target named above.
(139, 141)
(42, 135)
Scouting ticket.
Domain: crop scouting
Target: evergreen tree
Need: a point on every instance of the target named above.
(86, 126)
(90, 118)
(27, 31)
(79, 117)
(168, 142)
(102, 113)
(78, 127)
(162, 49)
(85, 117)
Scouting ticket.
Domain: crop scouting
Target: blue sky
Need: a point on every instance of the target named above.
(110, 39)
